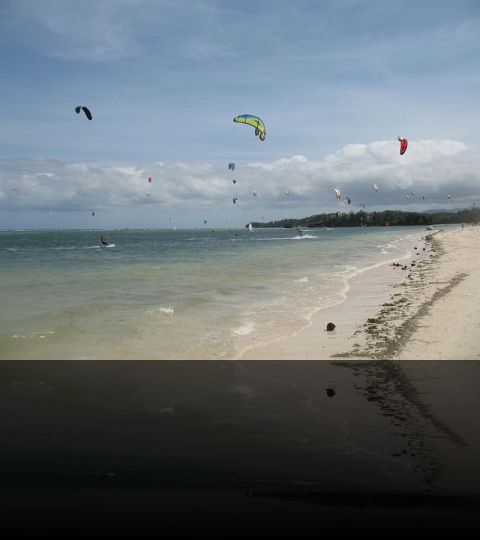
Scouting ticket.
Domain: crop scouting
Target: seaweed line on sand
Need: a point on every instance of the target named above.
(387, 333)
(387, 385)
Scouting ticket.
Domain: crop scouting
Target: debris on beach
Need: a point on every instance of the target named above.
(330, 327)
(383, 336)
(330, 392)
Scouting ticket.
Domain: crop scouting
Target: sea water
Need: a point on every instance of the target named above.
(176, 294)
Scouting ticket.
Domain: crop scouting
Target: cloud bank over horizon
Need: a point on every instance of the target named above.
(431, 169)
(334, 82)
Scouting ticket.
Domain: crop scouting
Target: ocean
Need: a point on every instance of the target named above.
(165, 294)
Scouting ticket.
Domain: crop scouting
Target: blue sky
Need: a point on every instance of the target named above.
(335, 82)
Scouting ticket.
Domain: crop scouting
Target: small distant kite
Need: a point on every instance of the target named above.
(93, 213)
(148, 193)
(347, 200)
(234, 181)
(88, 114)
(403, 145)
(449, 196)
(375, 187)
(254, 193)
(235, 199)
(286, 192)
(337, 193)
(204, 221)
(15, 189)
(231, 166)
(254, 121)
(150, 179)
(362, 205)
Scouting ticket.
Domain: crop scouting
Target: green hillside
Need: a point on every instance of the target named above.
(375, 219)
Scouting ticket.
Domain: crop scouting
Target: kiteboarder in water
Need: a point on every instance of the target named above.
(104, 241)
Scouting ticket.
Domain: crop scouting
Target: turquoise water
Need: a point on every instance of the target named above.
(176, 294)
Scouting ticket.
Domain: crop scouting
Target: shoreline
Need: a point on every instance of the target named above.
(427, 312)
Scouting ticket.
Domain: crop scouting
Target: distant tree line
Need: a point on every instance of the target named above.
(376, 219)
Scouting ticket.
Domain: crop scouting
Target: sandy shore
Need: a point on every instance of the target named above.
(428, 311)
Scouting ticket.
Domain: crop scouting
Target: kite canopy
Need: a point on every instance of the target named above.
(375, 187)
(88, 114)
(253, 121)
(231, 166)
(337, 193)
(403, 145)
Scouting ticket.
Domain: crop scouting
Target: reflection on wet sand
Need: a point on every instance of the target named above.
(258, 439)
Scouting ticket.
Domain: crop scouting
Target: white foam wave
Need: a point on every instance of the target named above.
(41, 334)
(168, 310)
(304, 236)
(167, 410)
(245, 329)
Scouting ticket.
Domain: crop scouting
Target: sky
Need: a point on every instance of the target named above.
(336, 82)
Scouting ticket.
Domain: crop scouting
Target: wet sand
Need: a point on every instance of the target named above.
(340, 445)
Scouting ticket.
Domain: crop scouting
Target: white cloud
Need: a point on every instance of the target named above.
(431, 168)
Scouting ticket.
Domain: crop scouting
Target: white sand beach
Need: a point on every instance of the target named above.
(428, 311)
